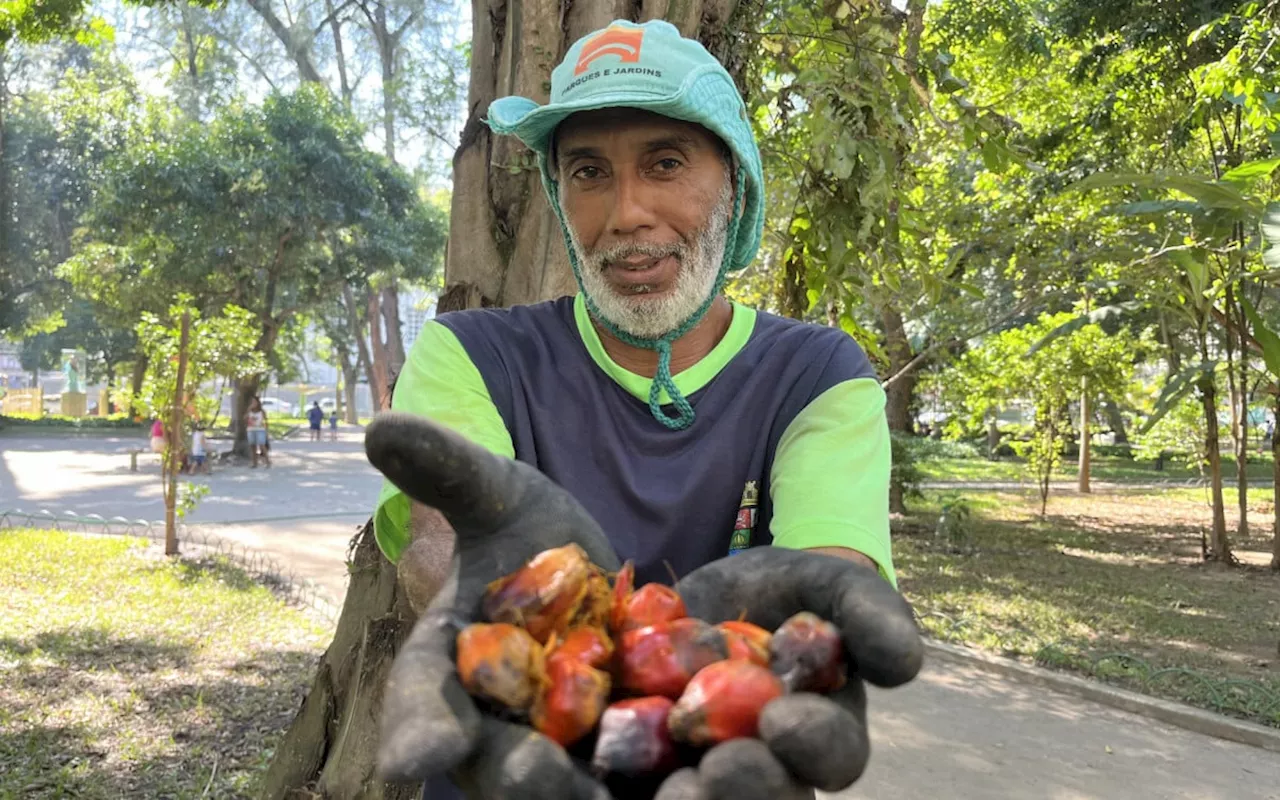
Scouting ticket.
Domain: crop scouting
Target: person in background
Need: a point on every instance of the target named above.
(157, 436)
(198, 452)
(333, 425)
(315, 415)
(255, 425)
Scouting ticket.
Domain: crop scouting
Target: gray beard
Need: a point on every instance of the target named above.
(650, 316)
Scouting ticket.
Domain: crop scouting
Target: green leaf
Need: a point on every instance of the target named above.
(1174, 391)
(1197, 272)
(1156, 207)
(1096, 316)
(1210, 194)
(1251, 170)
(1266, 337)
(1271, 236)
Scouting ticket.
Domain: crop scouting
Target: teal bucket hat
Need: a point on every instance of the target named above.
(648, 66)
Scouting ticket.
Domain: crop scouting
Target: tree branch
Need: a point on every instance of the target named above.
(928, 352)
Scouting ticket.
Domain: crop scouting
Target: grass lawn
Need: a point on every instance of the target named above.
(1119, 572)
(1109, 468)
(129, 675)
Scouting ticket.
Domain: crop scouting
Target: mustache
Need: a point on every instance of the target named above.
(620, 251)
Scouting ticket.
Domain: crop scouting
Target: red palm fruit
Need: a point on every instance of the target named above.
(572, 700)
(723, 702)
(634, 739)
(588, 645)
(747, 641)
(660, 659)
(807, 654)
(649, 605)
(501, 662)
(544, 595)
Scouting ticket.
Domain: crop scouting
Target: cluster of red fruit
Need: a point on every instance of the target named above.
(560, 643)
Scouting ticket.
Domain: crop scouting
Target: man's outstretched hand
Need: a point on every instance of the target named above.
(809, 741)
(505, 512)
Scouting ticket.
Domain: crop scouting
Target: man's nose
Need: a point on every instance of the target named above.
(632, 209)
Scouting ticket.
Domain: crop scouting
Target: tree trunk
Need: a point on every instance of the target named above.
(111, 387)
(245, 389)
(349, 379)
(1082, 480)
(1275, 485)
(329, 750)
(1221, 547)
(1116, 420)
(1242, 446)
(993, 434)
(514, 253)
(174, 446)
(395, 334)
(898, 348)
(6, 215)
(379, 374)
(135, 384)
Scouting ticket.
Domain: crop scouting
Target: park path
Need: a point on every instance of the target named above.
(956, 732)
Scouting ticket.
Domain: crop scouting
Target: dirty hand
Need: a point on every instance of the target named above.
(504, 513)
(807, 741)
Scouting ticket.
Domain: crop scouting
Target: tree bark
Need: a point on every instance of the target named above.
(993, 434)
(6, 212)
(1221, 547)
(394, 333)
(505, 248)
(379, 374)
(329, 750)
(1082, 479)
(1242, 446)
(349, 378)
(1116, 420)
(297, 46)
(1275, 485)
(245, 389)
(135, 383)
(111, 386)
(899, 393)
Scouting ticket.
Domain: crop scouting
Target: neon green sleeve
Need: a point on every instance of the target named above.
(440, 382)
(830, 478)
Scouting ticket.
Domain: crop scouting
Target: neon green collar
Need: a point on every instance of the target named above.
(687, 381)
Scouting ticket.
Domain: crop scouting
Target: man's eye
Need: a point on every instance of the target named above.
(668, 164)
(587, 173)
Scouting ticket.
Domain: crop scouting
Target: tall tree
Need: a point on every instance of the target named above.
(506, 248)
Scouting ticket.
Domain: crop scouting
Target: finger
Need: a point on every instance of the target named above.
(683, 784)
(745, 769)
(434, 465)
(429, 722)
(770, 584)
(480, 493)
(821, 741)
(515, 762)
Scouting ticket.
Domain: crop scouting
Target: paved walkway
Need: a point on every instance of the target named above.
(954, 733)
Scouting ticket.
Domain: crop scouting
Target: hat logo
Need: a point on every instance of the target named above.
(622, 42)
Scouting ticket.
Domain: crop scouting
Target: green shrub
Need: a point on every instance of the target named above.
(110, 422)
(923, 448)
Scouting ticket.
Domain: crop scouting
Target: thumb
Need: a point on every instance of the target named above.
(440, 468)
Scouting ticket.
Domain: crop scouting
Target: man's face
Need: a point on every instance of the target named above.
(648, 201)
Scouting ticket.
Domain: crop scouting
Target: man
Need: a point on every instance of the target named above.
(315, 415)
(683, 427)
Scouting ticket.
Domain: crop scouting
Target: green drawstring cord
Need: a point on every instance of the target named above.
(662, 379)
